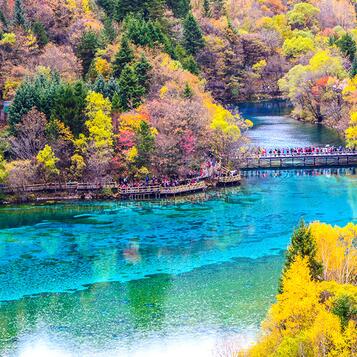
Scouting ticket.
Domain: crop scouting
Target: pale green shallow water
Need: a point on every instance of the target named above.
(151, 279)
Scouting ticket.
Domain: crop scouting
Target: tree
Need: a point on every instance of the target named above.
(142, 69)
(87, 48)
(347, 45)
(354, 67)
(303, 245)
(3, 172)
(187, 93)
(123, 57)
(207, 8)
(39, 31)
(99, 85)
(303, 15)
(48, 159)
(297, 46)
(30, 135)
(109, 30)
(19, 15)
(39, 91)
(69, 106)
(180, 8)
(99, 122)
(345, 308)
(145, 144)
(192, 35)
(131, 92)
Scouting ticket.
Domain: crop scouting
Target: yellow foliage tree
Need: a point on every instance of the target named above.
(316, 318)
(99, 121)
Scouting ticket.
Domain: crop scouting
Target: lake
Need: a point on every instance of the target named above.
(161, 278)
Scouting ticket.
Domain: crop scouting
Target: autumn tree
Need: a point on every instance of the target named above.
(303, 15)
(30, 135)
(48, 160)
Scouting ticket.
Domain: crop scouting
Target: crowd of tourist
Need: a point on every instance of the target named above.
(302, 151)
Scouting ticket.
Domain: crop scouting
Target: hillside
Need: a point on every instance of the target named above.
(114, 89)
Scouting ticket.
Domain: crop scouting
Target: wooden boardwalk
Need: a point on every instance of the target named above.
(117, 191)
(300, 161)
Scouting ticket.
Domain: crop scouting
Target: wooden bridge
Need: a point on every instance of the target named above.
(300, 161)
(76, 190)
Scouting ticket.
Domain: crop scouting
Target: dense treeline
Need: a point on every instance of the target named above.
(107, 90)
(315, 312)
(134, 72)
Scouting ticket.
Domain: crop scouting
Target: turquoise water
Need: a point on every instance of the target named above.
(157, 279)
(123, 278)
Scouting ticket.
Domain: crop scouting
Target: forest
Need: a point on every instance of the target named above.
(315, 312)
(101, 90)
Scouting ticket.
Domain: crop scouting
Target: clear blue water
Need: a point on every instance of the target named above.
(156, 279)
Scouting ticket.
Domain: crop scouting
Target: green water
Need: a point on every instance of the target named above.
(156, 279)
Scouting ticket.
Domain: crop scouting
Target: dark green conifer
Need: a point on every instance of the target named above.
(180, 8)
(39, 31)
(87, 48)
(123, 57)
(347, 46)
(193, 39)
(19, 15)
(187, 92)
(142, 69)
(303, 244)
(131, 92)
(145, 144)
(207, 8)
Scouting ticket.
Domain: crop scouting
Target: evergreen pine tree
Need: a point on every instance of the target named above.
(347, 46)
(116, 103)
(180, 8)
(155, 9)
(187, 93)
(24, 101)
(131, 92)
(19, 15)
(207, 8)
(87, 48)
(109, 30)
(123, 57)
(354, 67)
(190, 64)
(303, 244)
(112, 88)
(3, 20)
(69, 106)
(145, 144)
(100, 85)
(125, 7)
(142, 69)
(39, 31)
(193, 39)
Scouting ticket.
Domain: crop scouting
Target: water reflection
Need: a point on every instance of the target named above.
(274, 128)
